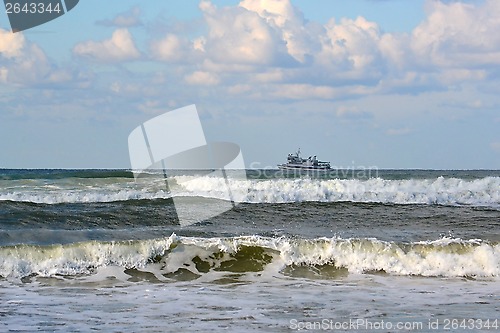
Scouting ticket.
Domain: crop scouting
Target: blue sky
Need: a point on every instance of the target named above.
(385, 83)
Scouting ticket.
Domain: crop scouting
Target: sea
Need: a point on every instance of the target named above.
(349, 251)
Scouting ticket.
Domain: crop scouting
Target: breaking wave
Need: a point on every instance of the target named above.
(172, 258)
(442, 191)
(82, 196)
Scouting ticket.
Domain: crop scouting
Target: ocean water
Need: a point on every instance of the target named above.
(385, 250)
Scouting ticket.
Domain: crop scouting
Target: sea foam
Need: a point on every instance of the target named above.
(443, 191)
(164, 257)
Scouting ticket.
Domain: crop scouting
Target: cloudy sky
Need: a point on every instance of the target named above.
(385, 83)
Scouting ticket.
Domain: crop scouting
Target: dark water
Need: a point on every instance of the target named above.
(44, 224)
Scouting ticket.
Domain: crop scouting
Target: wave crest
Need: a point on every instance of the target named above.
(174, 256)
(442, 191)
(445, 191)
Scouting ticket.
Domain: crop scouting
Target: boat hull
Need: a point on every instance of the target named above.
(302, 168)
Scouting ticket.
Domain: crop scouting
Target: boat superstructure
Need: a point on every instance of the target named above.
(296, 162)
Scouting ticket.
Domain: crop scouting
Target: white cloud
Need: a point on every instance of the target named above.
(304, 91)
(199, 44)
(170, 48)
(11, 44)
(32, 66)
(298, 34)
(202, 78)
(395, 50)
(207, 6)
(212, 66)
(119, 47)
(350, 44)
(239, 36)
(271, 42)
(277, 11)
(25, 63)
(270, 45)
(459, 34)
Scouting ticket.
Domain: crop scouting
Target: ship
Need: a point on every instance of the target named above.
(296, 162)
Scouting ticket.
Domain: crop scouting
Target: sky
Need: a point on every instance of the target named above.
(360, 83)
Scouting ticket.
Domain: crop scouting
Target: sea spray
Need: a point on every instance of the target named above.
(445, 257)
(442, 191)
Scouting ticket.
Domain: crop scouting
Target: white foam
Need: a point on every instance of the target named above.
(444, 191)
(82, 196)
(82, 191)
(79, 258)
(449, 258)
(446, 257)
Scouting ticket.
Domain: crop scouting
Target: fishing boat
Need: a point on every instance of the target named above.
(296, 162)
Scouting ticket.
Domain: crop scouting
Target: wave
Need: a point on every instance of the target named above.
(442, 191)
(83, 196)
(170, 258)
